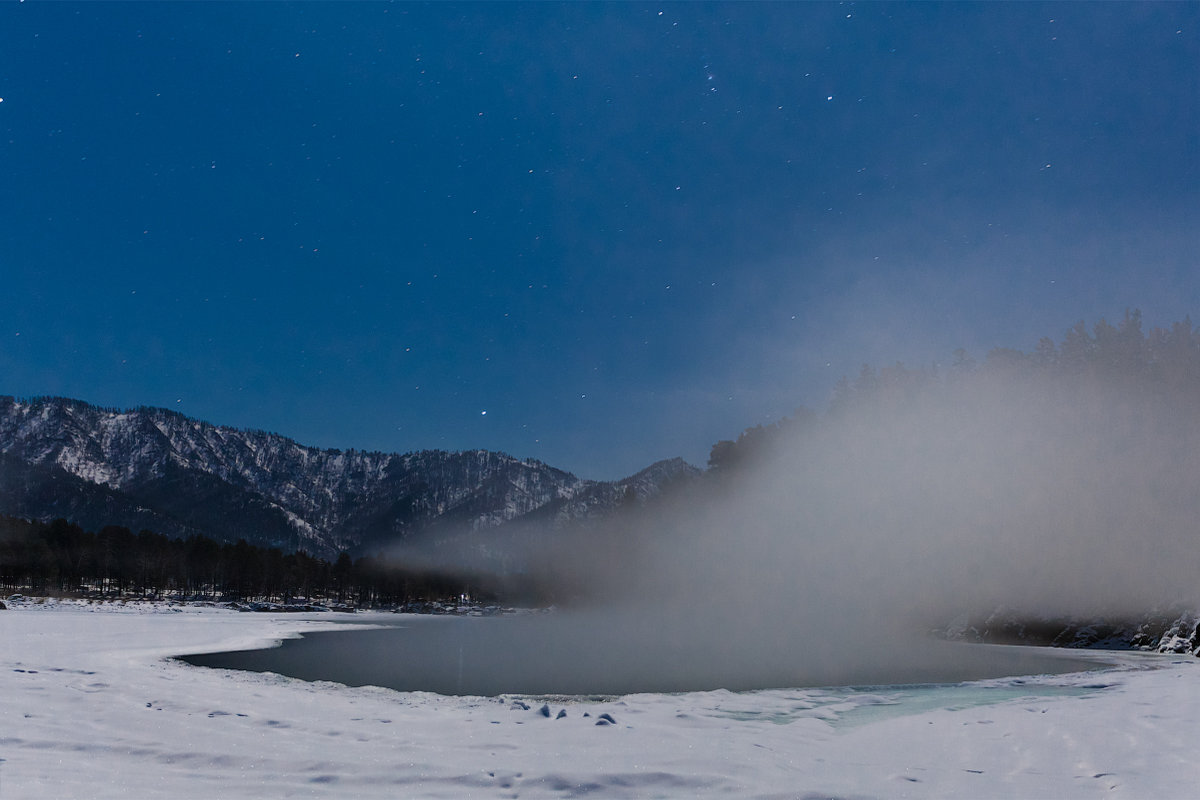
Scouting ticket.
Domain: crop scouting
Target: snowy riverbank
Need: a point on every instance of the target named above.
(89, 708)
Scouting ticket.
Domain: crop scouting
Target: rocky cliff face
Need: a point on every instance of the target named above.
(153, 468)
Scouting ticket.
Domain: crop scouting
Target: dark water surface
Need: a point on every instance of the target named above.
(529, 655)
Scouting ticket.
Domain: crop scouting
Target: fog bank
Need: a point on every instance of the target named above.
(847, 539)
(842, 541)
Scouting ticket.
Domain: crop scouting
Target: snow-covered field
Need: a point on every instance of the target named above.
(90, 708)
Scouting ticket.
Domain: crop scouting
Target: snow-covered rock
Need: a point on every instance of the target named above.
(1173, 630)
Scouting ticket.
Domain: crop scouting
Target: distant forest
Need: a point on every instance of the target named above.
(62, 558)
(1163, 365)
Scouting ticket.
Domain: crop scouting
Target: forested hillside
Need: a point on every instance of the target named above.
(1086, 366)
(60, 558)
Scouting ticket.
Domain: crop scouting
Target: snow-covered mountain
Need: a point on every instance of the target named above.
(157, 469)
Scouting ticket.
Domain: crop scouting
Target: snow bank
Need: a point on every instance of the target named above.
(90, 708)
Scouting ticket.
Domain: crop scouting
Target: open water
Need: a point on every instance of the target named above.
(526, 655)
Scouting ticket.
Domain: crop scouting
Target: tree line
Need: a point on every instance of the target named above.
(62, 558)
(1162, 365)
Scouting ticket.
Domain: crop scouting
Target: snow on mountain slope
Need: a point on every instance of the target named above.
(267, 488)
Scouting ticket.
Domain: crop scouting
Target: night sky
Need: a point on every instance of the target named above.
(594, 234)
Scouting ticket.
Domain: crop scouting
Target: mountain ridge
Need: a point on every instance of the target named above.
(158, 466)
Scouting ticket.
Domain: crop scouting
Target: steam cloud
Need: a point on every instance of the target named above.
(827, 560)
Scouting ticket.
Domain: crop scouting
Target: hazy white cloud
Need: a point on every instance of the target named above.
(850, 542)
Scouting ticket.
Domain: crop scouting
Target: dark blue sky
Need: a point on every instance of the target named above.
(622, 231)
